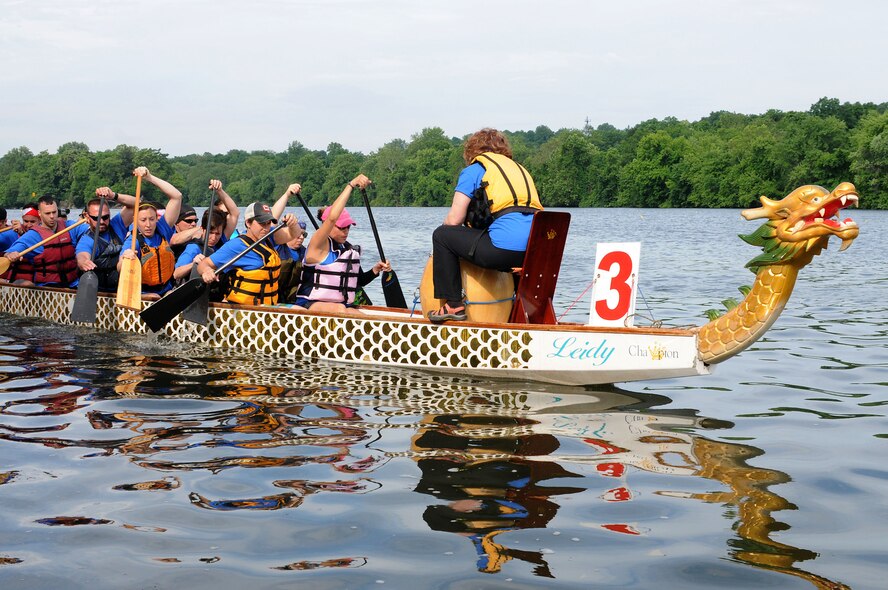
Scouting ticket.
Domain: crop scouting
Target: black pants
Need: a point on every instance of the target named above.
(450, 243)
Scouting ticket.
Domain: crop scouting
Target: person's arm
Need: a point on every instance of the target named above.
(318, 246)
(288, 233)
(184, 270)
(277, 210)
(458, 209)
(230, 206)
(181, 237)
(206, 268)
(128, 202)
(174, 204)
(366, 276)
(83, 254)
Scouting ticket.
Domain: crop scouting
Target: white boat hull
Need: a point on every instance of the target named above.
(570, 354)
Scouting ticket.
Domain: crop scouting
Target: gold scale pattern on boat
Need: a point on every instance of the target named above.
(374, 340)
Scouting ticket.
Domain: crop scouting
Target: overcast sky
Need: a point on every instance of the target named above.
(194, 76)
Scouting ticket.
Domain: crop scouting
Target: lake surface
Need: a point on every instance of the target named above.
(132, 462)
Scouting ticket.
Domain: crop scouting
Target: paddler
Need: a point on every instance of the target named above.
(332, 270)
(254, 278)
(489, 219)
(155, 232)
(52, 264)
(112, 236)
(187, 228)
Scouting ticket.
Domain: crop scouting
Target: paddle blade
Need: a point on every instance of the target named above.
(159, 314)
(391, 289)
(129, 289)
(87, 297)
(5, 263)
(197, 311)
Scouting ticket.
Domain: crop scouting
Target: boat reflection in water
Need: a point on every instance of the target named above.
(492, 457)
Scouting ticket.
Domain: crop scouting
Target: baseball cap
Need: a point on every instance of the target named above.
(301, 224)
(259, 212)
(344, 220)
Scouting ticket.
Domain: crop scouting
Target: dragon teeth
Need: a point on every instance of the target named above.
(844, 200)
(823, 213)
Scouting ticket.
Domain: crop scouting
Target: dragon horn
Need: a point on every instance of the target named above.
(766, 210)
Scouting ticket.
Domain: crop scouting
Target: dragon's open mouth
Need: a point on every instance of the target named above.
(829, 214)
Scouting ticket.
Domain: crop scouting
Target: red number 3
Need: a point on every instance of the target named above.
(618, 283)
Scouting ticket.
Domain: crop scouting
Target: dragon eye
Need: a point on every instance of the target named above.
(815, 200)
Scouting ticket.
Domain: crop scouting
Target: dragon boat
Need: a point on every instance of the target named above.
(529, 344)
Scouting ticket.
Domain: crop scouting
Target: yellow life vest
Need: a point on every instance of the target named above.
(260, 286)
(507, 185)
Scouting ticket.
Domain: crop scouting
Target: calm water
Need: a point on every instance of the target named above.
(128, 462)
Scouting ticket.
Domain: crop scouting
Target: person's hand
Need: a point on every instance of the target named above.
(198, 258)
(360, 181)
(104, 191)
(215, 185)
(129, 254)
(87, 265)
(13, 256)
(294, 189)
(141, 171)
(209, 276)
(17, 227)
(381, 266)
(292, 223)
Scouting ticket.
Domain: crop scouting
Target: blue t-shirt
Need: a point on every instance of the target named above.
(191, 250)
(288, 253)
(85, 243)
(7, 239)
(162, 232)
(508, 232)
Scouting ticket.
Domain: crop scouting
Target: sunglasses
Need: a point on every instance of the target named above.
(190, 220)
(96, 217)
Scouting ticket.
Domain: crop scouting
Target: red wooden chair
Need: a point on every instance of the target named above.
(539, 274)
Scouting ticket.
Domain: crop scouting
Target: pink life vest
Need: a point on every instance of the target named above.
(336, 282)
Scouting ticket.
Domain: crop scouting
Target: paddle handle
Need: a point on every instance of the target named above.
(307, 210)
(206, 244)
(136, 210)
(373, 225)
(52, 237)
(96, 232)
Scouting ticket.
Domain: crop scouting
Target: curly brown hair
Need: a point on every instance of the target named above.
(486, 140)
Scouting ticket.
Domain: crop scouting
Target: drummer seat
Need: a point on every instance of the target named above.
(539, 273)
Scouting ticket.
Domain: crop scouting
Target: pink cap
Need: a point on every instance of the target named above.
(344, 220)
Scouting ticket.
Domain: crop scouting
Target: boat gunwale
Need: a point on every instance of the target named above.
(391, 314)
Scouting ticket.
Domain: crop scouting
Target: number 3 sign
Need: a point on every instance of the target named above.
(615, 284)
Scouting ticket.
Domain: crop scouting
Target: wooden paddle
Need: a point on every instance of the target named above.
(391, 287)
(159, 314)
(5, 262)
(87, 297)
(197, 311)
(129, 289)
(361, 297)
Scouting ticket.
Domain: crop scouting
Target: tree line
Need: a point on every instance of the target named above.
(723, 160)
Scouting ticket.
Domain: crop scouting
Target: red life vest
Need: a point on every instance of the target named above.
(55, 265)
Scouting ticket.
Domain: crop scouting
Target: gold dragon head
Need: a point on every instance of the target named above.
(800, 224)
